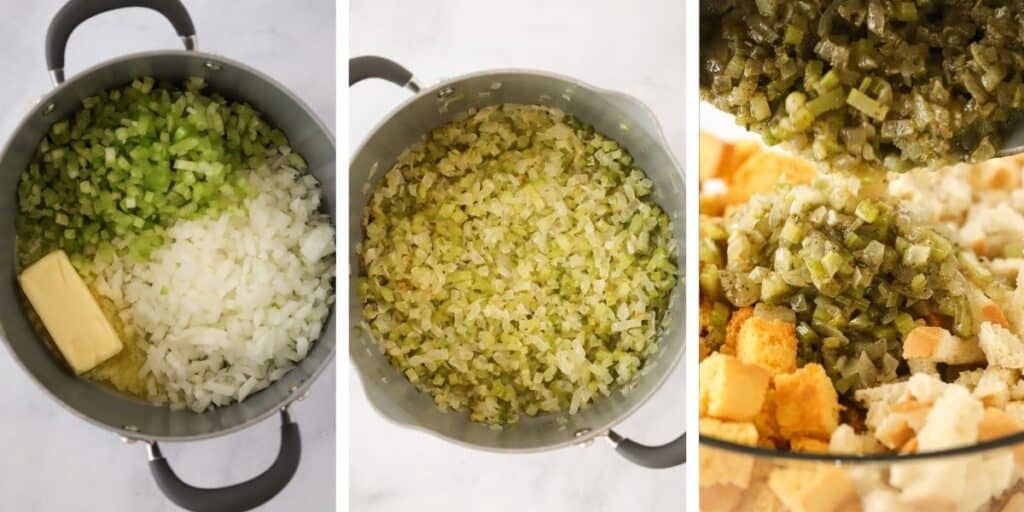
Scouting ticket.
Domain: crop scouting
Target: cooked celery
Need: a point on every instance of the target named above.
(924, 84)
(514, 263)
(856, 268)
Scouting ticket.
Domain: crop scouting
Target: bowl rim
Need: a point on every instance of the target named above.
(765, 453)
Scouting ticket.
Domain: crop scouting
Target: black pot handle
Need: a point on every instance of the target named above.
(75, 12)
(371, 66)
(238, 497)
(667, 455)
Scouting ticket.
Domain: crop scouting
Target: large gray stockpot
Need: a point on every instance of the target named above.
(127, 417)
(616, 115)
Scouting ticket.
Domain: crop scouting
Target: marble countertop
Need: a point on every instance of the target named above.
(55, 461)
(614, 45)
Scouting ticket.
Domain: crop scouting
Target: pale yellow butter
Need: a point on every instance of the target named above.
(69, 312)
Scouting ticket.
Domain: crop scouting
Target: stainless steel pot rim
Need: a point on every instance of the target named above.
(299, 391)
(582, 437)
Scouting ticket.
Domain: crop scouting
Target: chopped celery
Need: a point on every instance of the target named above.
(126, 164)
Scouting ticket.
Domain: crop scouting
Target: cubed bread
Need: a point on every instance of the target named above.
(847, 441)
(819, 489)
(760, 498)
(996, 423)
(902, 423)
(721, 467)
(769, 343)
(939, 345)
(732, 431)
(730, 389)
(806, 404)
(736, 321)
(952, 422)
(1001, 347)
(993, 387)
(720, 497)
(1014, 504)
(808, 445)
(767, 425)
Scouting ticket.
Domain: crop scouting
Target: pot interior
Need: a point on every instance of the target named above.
(112, 410)
(615, 115)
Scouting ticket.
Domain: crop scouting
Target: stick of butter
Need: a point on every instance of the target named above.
(69, 312)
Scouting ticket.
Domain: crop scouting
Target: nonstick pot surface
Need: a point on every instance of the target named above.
(109, 409)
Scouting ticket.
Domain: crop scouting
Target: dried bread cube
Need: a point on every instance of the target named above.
(1014, 504)
(1015, 410)
(731, 389)
(806, 404)
(818, 489)
(1001, 347)
(953, 421)
(720, 497)
(993, 388)
(997, 423)
(720, 467)
(930, 485)
(847, 441)
(761, 498)
(902, 423)
(769, 343)
(939, 345)
(988, 477)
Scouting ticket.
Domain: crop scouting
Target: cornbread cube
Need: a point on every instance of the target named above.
(730, 389)
(806, 404)
(822, 489)
(767, 426)
(769, 343)
(939, 345)
(732, 431)
(808, 445)
(720, 467)
(736, 321)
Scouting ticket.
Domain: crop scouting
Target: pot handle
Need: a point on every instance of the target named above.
(238, 497)
(75, 12)
(371, 66)
(667, 455)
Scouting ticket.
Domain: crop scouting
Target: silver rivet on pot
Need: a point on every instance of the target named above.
(128, 440)
(446, 92)
(49, 109)
(212, 66)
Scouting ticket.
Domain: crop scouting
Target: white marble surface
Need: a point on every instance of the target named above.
(617, 45)
(50, 459)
